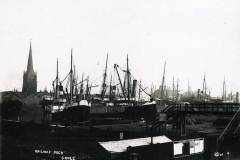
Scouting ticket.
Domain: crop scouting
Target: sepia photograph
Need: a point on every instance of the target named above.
(119, 80)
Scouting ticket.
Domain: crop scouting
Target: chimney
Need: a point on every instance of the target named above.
(134, 88)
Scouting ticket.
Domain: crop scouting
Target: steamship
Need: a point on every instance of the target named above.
(117, 100)
(68, 106)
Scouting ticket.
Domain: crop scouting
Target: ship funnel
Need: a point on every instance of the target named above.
(134, 88)
(237, 97)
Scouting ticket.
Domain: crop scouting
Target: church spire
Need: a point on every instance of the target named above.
(30, 61)
(29, 77)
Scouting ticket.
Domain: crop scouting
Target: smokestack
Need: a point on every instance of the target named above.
(134, 88)
(198, 94)
(237, 97)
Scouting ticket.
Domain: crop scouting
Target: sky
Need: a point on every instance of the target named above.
(192, 36)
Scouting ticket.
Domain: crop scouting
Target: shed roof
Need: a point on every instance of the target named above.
(122, 145)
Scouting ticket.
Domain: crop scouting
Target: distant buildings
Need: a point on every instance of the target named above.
(29, 76)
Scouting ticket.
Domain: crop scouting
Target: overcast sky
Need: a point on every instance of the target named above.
(193, 36)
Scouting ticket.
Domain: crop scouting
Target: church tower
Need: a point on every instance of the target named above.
(29, 76)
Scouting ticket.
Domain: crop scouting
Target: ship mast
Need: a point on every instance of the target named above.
(224, 90)
(57, 78)
(188, 89)
(81, 87)
(173, 89)
(128, 81)
(204, 88)
(139, 90)
(123, 90)
(71, 80)
(104, 80)
(75, 81)
(87, 89)
(163, 81)
(110, 89)
(177, 91)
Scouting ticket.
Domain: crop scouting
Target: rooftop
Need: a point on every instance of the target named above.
(122, 145)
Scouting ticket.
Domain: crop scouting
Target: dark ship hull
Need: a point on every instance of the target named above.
(71, 115)
(132, 111)
(148, 112)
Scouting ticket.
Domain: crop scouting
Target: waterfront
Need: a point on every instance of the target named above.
(32, 141)
(119, 80)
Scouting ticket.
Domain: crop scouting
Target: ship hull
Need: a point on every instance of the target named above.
(148, 112)
(133, 112)
(71, 115)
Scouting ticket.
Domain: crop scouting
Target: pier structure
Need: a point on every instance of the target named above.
(179, 112)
